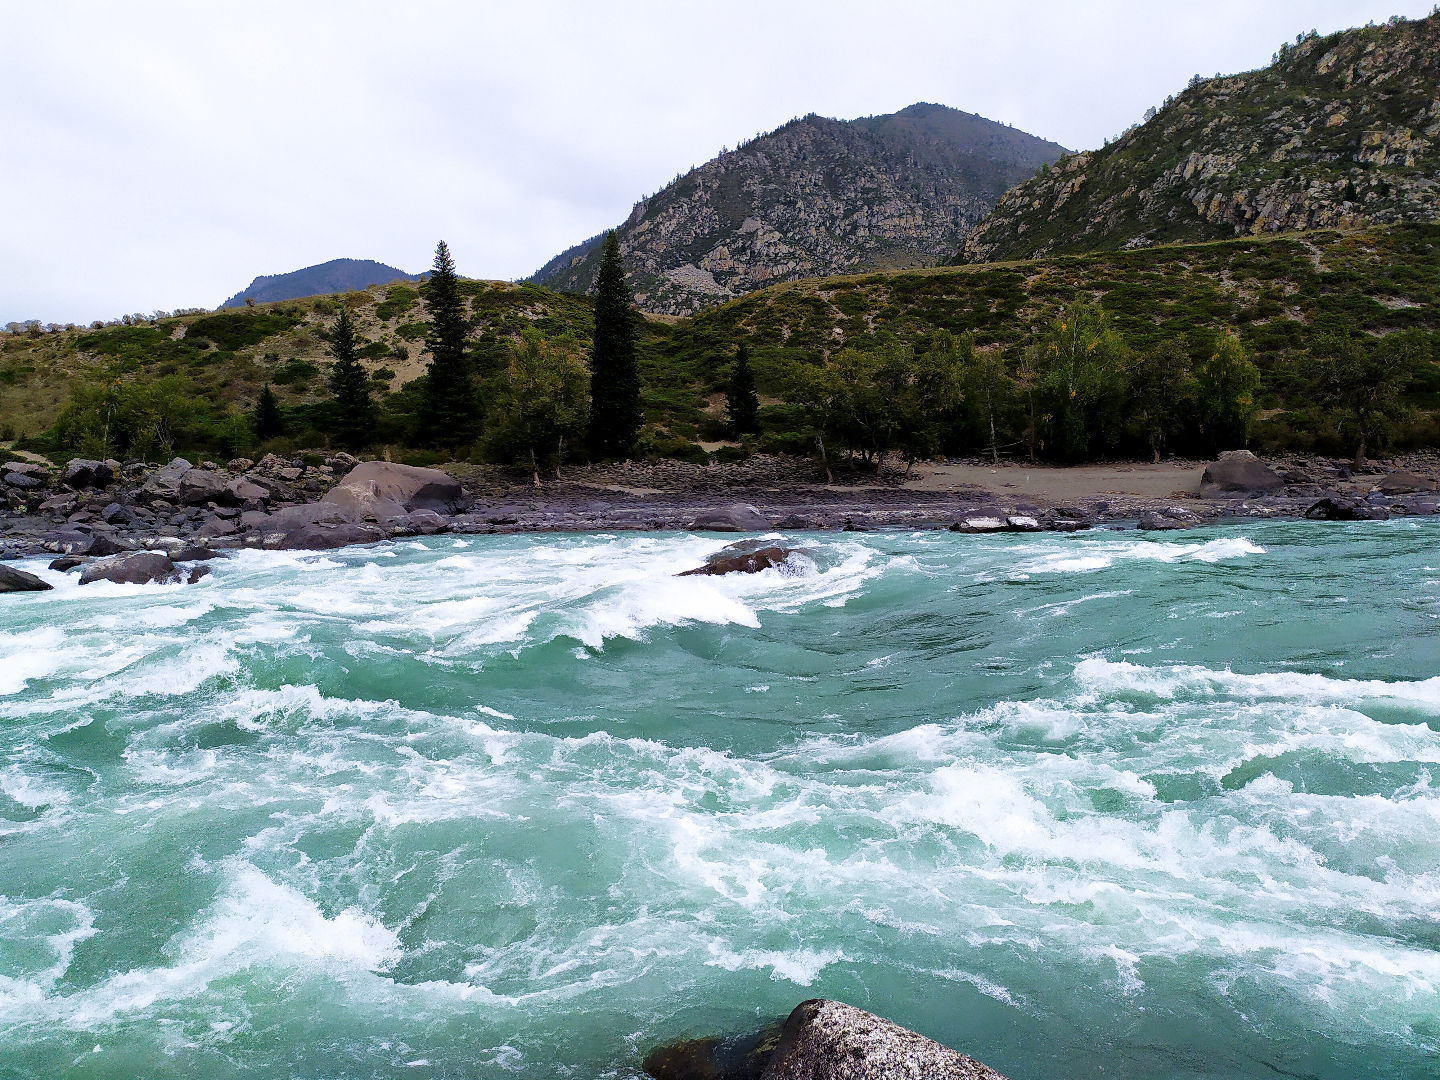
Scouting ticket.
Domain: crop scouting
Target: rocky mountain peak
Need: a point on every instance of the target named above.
(816, 196)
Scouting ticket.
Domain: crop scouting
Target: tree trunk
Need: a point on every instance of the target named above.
(824, 459)
(1360, 452)
(535, 468)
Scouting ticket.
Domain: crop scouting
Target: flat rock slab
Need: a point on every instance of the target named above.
(737, 518)
(138, 568)
(828, 1040)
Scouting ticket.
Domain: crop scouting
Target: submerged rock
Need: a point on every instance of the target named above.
(1335, 508)
(749, 562)
(828, 1040)
(12, 580)
(735, 1058)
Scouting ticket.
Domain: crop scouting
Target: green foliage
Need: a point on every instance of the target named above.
(615, 415)
(236, 329)
(398, 300)
(413, 331)
(1162, 394)
(542, 403)
(374, 350)
(1226, 383)
(450, 413)
(352, 419)
(1079, 367)
(1362, 381)
(120, 419)
(742, 407)
(267, 421)
(294, 372)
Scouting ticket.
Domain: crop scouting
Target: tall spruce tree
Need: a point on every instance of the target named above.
(353, 420)
(450, 411)
(615, 416)
(742, 407)
(268, 421)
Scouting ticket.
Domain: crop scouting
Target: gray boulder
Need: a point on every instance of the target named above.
(23, 480)
(164, 482)
(739, 517)
(116, 514)
(1401, 482)
(1236, 474)
(81, 473)
(199, 486)
(828, 1040)
(981, 520)
(381, 490)
(12, 580)
(240, 491)
(1153, 522)
(136, 568)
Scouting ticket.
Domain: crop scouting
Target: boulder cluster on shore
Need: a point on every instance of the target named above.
(92, 510)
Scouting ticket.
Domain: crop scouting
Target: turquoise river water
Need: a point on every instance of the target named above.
(1110, 804)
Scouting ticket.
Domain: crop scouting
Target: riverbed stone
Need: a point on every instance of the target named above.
(738, 517)
(750, 562)
(1237, 473)
(829, 1040)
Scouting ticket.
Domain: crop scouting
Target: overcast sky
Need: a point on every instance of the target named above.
(160, 155)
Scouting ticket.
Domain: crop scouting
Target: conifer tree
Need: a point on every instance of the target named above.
(615, 416)
(742, 407)
(268, 421)
(450, 412)
(354, 417)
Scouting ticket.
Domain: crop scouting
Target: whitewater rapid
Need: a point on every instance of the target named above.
(529, 806)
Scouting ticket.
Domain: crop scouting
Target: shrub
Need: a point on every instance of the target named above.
(233, 330)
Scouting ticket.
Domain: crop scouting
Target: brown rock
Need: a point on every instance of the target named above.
(745, 563)
(12, 580)
(381, 490)
(137, 568)
(1236, 474)
(1401, 482)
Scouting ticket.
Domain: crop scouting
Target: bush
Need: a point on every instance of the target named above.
(294, 372)
(233, 330)
(412, 331)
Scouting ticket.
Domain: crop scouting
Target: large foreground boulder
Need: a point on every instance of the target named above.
(748, 562)
(1236, 474)
(12, 580)
(137, 568)
(737, 518)
(381, 490)
(828, 1040)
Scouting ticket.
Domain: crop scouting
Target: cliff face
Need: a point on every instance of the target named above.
(815, 197)
(1340, 131)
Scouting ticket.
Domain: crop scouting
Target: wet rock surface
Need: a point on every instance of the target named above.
(13, 580)
(740, 562)
(820, 1040)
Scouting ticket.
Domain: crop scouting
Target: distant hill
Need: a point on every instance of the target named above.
(337, 275)
(1339, 131)
(814, 197)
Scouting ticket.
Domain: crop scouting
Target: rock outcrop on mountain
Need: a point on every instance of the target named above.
(1339, 131)
(814, 197)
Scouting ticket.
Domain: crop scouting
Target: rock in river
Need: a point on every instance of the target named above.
(828, 1040)
(137, 568)
(12, 580)
(749, 562)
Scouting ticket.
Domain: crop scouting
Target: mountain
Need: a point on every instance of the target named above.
(814, 197)
(1339, 131)
(337, 275)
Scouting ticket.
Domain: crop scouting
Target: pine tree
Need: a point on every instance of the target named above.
(450, 412)
(615, 416)
(268, 421)
(354, 417)
(742, 407)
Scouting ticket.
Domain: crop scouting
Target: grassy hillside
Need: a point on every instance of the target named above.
(1281, 297)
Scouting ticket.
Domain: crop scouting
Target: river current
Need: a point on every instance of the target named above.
(1109, 804)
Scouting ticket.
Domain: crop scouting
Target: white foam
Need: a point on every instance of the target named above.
(799, 966)
(1083, 556)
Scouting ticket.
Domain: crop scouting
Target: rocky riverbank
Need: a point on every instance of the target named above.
(96, 509)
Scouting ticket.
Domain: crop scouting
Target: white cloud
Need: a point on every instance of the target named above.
(163, 154)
